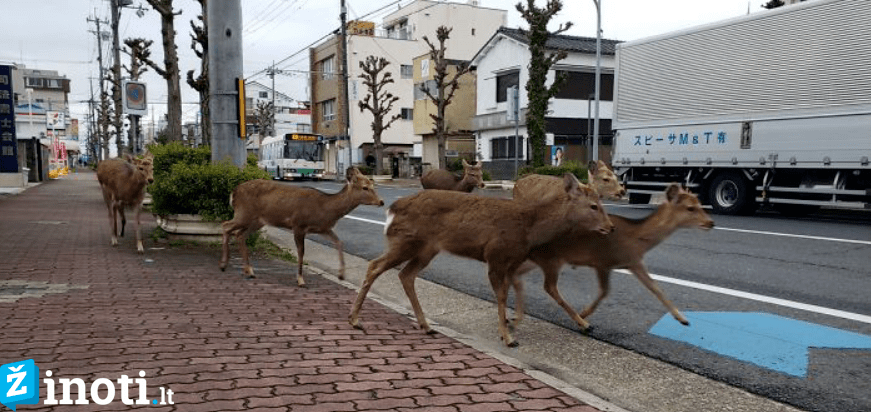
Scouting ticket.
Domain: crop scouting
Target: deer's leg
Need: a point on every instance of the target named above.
(120, 208)
(551, 276)
(389, 260)
(407, 276)
(241, 236)
(110, 204)
(500, 284)
(339, 247)
(641, 273)
(299, 239)
(136, 224)
(517, 283)
(604, 277)
(225, 244)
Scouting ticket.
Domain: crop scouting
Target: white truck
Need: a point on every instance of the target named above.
(769, 108)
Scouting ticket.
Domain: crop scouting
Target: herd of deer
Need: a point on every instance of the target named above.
(549, 222)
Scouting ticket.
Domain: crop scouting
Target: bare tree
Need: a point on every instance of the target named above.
(136, 49)
(379, 102)
(264, 115)
(170, 71)
(445, 87)
(200, 46)
(104, 121)
(540, 63)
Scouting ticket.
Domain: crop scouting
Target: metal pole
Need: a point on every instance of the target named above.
(225, 67)
(598, 77)
(116, 74)
(345, 80)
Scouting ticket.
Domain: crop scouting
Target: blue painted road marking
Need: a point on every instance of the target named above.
(766, 340)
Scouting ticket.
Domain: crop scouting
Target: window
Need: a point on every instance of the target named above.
(503, 148)
(503, 82)
(407, 114)
(328, 108)
(428, 85)
(582, 85)
(406, 71)
(328, 67)
(264, 95)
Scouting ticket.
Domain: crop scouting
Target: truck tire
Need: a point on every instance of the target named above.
(731, 194)
(639, 198)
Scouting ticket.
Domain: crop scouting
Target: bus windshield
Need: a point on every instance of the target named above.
(310, 151)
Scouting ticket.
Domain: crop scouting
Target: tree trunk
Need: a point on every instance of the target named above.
(173, 110)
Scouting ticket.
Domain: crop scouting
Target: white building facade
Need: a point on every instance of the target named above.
(503, 62)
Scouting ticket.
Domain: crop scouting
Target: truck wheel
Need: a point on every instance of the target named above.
(730, 194)
(639, 198)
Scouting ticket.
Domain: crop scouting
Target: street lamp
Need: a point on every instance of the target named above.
(598, 76)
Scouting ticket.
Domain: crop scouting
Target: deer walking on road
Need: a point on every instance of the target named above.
(303, 210)
(123, 183)
(500, 232)
(624, 248)
(445, 180)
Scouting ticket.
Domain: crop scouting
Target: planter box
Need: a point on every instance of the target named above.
(190, 227)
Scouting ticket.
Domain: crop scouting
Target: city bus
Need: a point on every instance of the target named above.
(293, 156)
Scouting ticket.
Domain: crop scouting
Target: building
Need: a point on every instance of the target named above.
(503, 63)
(399, 39)
(458, 114)
(291, 116)
(46, 134)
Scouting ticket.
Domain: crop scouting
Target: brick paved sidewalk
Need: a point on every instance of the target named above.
(84, 309)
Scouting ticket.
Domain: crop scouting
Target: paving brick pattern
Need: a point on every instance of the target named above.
(219, 342)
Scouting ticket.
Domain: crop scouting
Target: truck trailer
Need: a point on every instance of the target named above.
(769, 108)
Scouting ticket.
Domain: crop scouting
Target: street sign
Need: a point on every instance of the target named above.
(513, 106)
(135, 101)
(8, 141)
(770, 341)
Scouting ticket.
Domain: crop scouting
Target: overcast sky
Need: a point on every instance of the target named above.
(55, 35)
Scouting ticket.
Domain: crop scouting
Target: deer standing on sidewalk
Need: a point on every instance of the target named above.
(442, 179)
(301, 209)
(500, 232)
(624, 248)
(123, 183)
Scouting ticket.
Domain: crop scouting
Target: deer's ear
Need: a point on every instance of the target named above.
(570, 182)
(591, 167)
(601, 165)
(351, 173)
(672, 192)
(465, 164)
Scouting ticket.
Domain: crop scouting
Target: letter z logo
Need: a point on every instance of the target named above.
(19, 384)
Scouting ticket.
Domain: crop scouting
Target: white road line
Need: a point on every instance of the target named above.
(830, 239)
(761, 298)
(737, 293)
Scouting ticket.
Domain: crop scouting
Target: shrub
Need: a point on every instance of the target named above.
(569, 166)
(169, 154)
(202, 189)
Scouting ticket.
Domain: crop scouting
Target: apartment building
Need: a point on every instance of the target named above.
(399, 39)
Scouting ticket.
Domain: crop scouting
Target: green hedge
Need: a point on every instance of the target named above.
(569, 166)
(188, 183)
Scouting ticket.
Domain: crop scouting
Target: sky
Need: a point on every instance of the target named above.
(56, 34)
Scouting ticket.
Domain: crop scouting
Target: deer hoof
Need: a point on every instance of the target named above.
(139, 248)
(357, 325)
(114, 241)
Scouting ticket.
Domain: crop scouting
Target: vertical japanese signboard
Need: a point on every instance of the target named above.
(8, 142)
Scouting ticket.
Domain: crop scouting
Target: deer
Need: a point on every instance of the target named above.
(123, 182)
(599, 177)
(303, 210)
(624, 248)
(499, 232)
(445, 180)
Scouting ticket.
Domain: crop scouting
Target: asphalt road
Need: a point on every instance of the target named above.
(813, 269)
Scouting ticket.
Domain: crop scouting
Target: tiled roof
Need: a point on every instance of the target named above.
(567, 43)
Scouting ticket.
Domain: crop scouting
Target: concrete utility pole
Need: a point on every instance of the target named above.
(598, 77)
(225, 68)
(116, 74)
(345, 81)
(99, 34)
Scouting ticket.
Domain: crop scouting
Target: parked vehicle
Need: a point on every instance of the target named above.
(769, 108)
(293, 156)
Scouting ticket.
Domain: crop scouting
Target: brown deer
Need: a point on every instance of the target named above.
(624, 248)
(500, 232)
(123, 183)
(599, 177)
(302, 209)
(445, 180)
